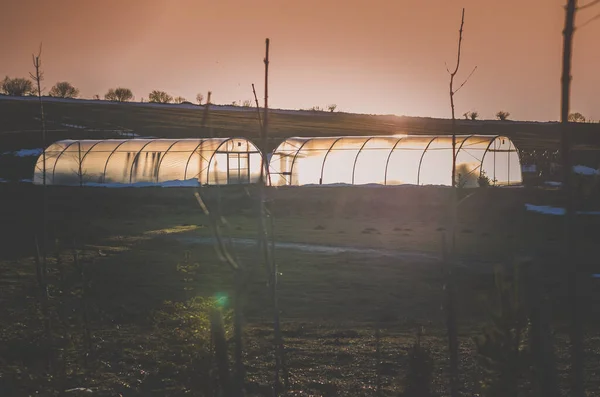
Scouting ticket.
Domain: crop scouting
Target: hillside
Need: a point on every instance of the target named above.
(19, 125)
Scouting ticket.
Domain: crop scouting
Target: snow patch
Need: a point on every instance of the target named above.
(553, 183)
(529, 168)
(74, 126)
(2, 180)
(549, 210)
(584, 170)
(25, 152)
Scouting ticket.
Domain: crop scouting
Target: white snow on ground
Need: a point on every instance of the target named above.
(74, 126)
(2, 180)
(24, 152)
(26, 181)
(583, 170)
(549, 210)
(175, 183)
(553, 183)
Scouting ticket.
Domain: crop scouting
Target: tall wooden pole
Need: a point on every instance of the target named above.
(569, 260)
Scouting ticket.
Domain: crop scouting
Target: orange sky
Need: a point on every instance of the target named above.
(371, 56)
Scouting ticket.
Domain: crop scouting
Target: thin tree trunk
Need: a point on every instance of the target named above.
(449, 260)
(571, 263)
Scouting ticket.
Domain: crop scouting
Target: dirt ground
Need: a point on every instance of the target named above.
(150, 266)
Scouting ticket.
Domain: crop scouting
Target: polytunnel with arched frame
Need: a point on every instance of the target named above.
(395, 160)
(212, 161)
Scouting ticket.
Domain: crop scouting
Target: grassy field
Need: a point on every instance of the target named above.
(20, 124)
(146, 263)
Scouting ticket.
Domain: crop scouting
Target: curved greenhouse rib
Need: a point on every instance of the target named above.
(108, 159)
(58, 157)
(485, 153)
(461, 145)
(421, 160)
(387, 162)
(213, 155)
(202, 140)
(136, 158)
(356, 158)
(294, 159)
(325, 159)
(89, 150)
(163, 157)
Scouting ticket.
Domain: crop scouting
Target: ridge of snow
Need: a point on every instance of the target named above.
(584, 170)
(25, 152)
(549, 210)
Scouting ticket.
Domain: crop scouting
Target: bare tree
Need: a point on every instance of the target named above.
(332, 107)
(179, 99)
(64, 89)
(159, 97)
(199, 98)
(473, 115)
(502, 115)
(17, 87)
(576, 118)
(41, 241)
(263, 240)
(119, 95)
(450, 287)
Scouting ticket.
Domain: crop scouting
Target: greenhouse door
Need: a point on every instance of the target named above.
(238, 165)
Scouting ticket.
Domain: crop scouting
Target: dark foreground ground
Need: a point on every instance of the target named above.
(150, 272)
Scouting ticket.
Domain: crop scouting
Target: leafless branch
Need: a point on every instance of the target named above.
(467, 79)
(460, 32)
(588, 5)
(215, 224)
(597, 16)
(257, 109)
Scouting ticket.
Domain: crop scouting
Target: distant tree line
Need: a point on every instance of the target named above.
(20, 86)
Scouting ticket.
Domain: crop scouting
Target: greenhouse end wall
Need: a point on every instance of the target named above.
(214, 161)
(395, 160)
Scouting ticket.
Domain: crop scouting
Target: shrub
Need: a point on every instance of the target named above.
(16, 87)
(64, 89)
(502, 115)
(159, 97)
(119, 94)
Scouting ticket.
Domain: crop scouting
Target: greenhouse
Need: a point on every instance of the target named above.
(212, 161)
(395, 160)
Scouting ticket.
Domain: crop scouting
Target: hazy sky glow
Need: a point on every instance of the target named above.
(372, 56)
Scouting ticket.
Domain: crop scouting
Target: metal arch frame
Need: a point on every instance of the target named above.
(213, 155)
(358, 154)
(57, 158)
(485, 153)
(136, 158)
(296, 155)
(461, 145)
(217, 150)
(163, 157)
(187, 163)
(387, 162)
(421, 160)
(40, 160)
(89, 150)
(109, 156)
(325, 158)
